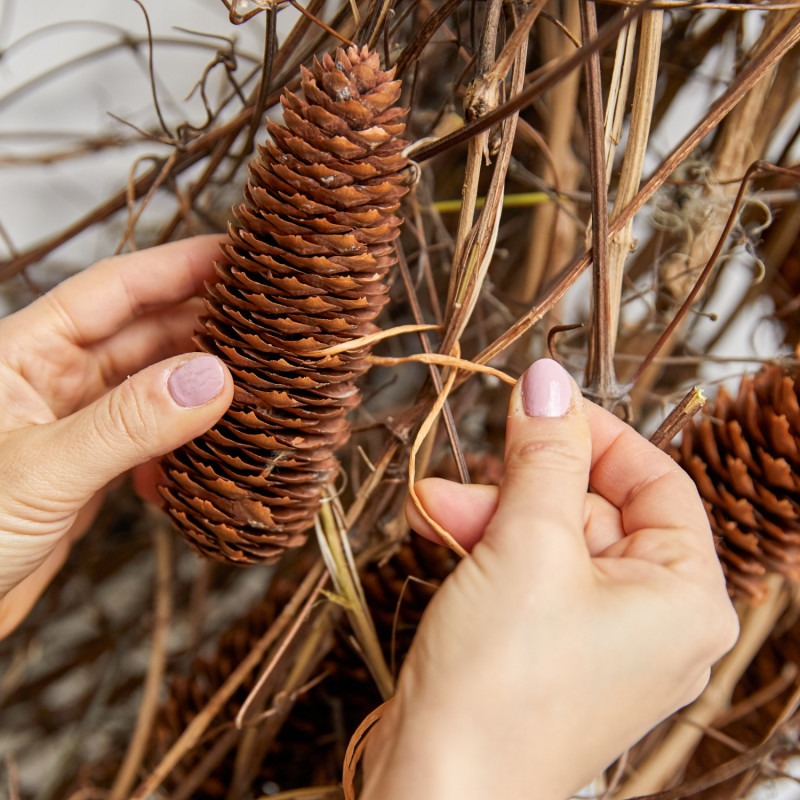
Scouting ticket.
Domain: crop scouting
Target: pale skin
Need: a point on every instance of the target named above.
(578, 621)
(70, 418)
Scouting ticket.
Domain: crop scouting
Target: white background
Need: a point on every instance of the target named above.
(75, 101)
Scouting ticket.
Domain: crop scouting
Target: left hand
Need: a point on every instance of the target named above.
(73, 415)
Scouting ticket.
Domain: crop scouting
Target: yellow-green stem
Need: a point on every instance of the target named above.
(348, 586)
(519, 200)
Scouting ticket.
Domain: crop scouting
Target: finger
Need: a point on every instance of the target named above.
(603, 525)
(146, 477)
(648, 487)
(97, 302)
(463, 510)
(32, 556)
(153, 337)
(548, 455)
(149, 414)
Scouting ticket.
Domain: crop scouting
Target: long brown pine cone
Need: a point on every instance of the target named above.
(302, 270)
(745, 459)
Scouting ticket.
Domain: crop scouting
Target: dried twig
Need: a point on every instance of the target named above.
(678, 418)
(601, 380)
(422, 433)
(759, 167)
(750, 74)
(472, 260)
(447, 412)
(151, 68)
(544, 80)
(482, 97)
(633, 163)
(756, 624)
(335, 547)
(155, 669)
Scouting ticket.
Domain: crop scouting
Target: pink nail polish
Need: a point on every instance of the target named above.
(196, 381)
(546, 389)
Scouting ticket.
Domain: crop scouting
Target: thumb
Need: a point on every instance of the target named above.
(547, 462)
(151, 413)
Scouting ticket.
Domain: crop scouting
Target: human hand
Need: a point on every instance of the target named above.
(71, 418)
(578, 622)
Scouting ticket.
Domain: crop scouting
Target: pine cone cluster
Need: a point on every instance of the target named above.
(745, 459)
(188, 694)
(303, 269)
(310, 747)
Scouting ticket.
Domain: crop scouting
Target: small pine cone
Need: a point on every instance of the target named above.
(303, 270)
(399, 589)
(745, 460)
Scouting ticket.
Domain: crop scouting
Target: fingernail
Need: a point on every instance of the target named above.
(546, 389)
(196, 381)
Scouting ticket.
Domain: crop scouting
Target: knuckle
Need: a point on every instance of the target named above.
(727, 629)
(122, 419)
(56, 307)
(555, 454)
(688, 488)
(107, 263)
(710, 621)
(695, 688)
(720, 629)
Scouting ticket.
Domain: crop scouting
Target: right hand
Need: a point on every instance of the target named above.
(578, 622)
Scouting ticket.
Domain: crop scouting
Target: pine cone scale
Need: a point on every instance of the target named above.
(745, 465)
